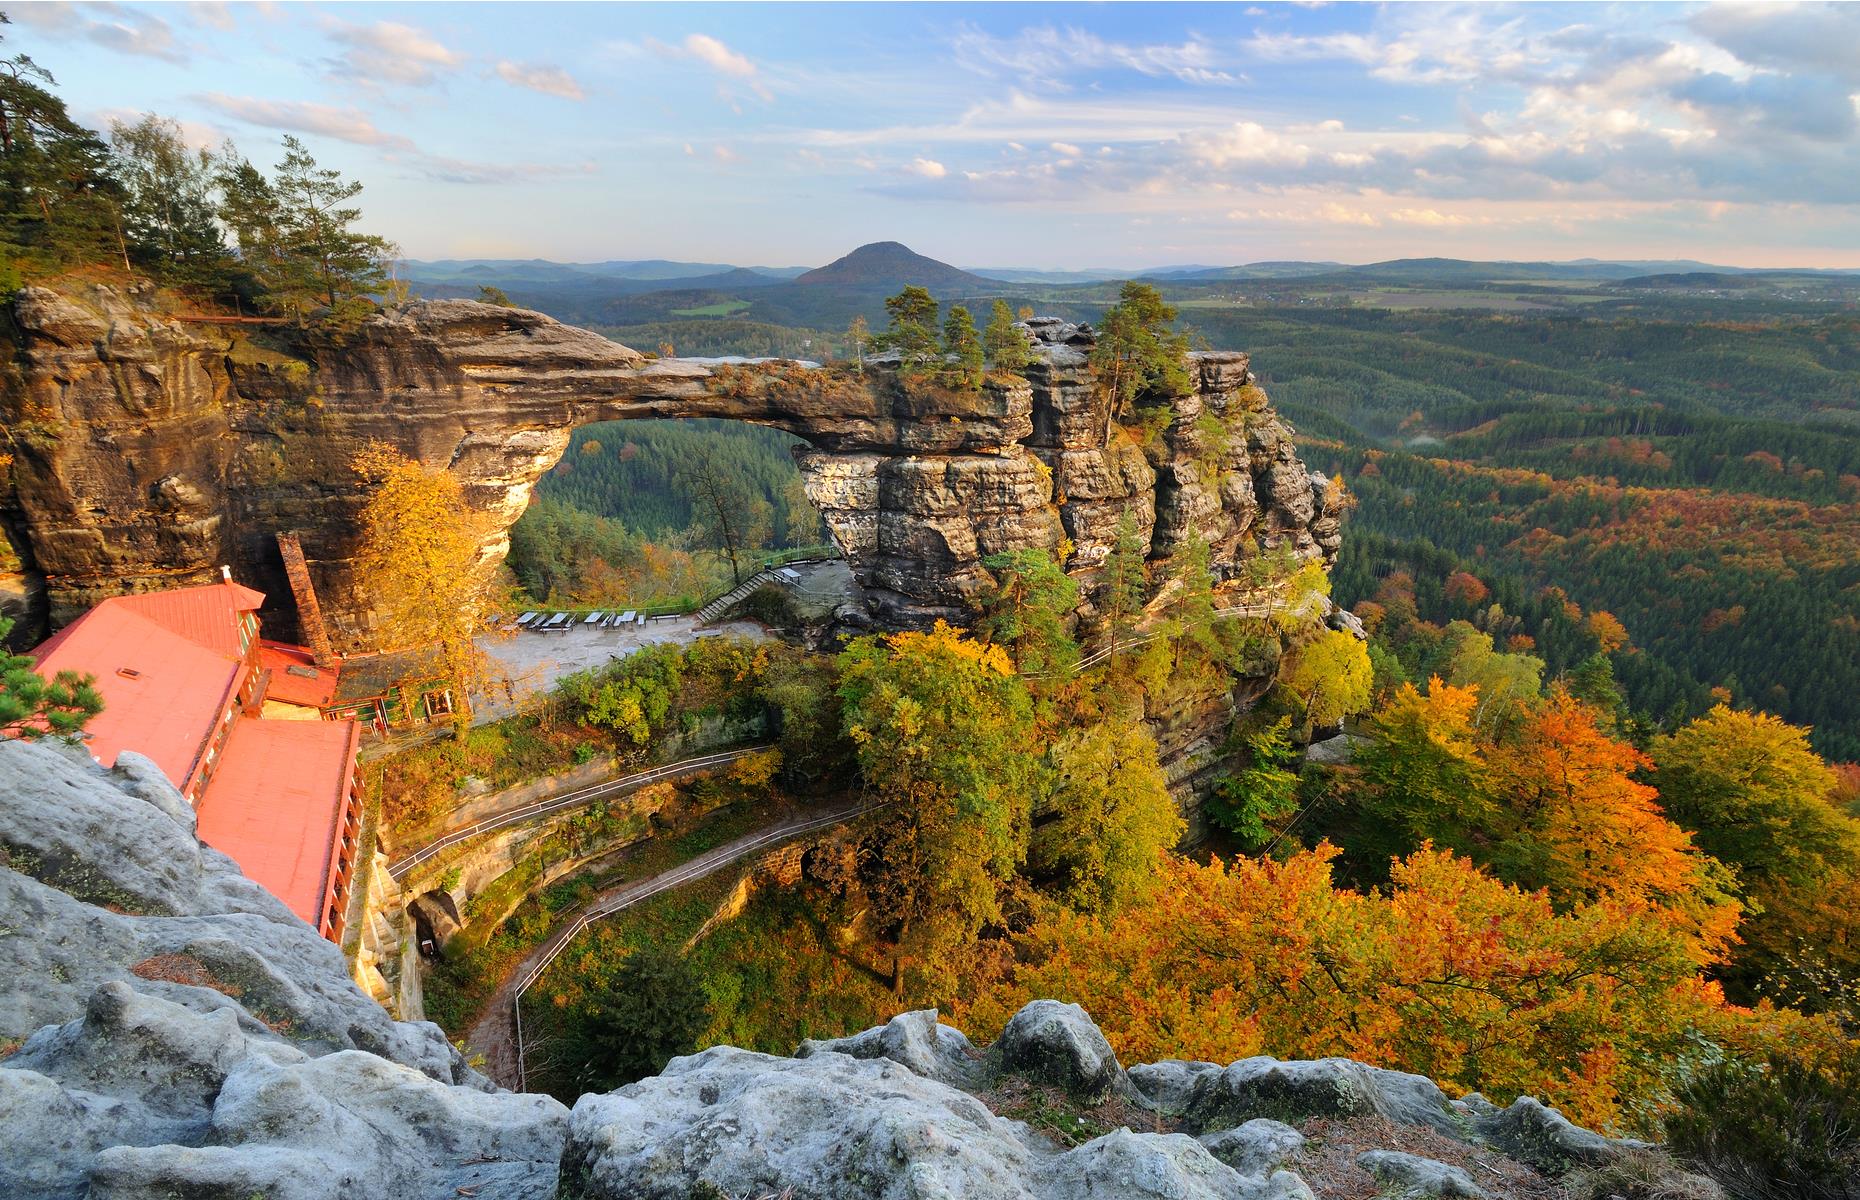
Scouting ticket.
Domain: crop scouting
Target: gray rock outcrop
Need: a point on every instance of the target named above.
(1058, 1044)
(183, 1033)
(1325, 1087)
(1533, 1132)
(1409, 1176)
(172, 1031)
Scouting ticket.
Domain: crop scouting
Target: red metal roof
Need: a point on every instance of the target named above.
(289, 684)
(275, 802)
(207, 615)
(162, 693)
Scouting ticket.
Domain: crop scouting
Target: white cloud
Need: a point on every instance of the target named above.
(388, 52)
(541, 77)
(929, 168)
(215, 13)
(1047, 55)
(297, 116)
(718, 57)
(112, 26)
(1245, 142)
(1067, 149)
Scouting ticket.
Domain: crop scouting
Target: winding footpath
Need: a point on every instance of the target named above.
(498, 1033)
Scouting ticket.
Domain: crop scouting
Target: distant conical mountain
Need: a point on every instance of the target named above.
(892, 265)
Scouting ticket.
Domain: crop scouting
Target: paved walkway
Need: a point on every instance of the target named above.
(410, 859)
(535, 662)
(498, 1033)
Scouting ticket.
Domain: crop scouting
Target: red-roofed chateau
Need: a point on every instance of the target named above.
(184, 678)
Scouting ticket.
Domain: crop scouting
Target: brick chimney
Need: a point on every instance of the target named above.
(309, 612)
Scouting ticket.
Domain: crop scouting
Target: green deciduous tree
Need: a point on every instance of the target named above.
(1028, 610)
(169, 210)
(1264, 791)
(1124, 583)
(942, 728)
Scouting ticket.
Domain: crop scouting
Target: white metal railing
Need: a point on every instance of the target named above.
(697, 868)
(541, 808)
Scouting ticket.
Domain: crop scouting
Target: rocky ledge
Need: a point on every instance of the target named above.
(151, 448)
(169, 1030)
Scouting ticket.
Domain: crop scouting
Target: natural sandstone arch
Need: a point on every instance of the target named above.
(148, 450)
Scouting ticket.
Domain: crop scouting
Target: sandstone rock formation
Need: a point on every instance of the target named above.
(166, 1029)
(149, 449)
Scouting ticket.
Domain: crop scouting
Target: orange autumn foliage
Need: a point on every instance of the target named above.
(1449, 973)
(1589, 830)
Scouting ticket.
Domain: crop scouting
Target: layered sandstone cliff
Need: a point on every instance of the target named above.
(149, 449)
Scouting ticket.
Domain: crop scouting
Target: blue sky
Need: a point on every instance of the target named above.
(1056, 136)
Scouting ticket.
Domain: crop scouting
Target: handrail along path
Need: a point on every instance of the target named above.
(401, 870)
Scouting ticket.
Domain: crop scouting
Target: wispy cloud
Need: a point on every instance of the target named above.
(541, 77)
(113, 26)
(1047, 55)
(388, 52)
(719, 57)
(298, 116)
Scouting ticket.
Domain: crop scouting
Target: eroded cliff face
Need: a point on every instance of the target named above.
(148, 450)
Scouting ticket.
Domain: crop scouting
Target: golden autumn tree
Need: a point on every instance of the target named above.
(419, 564)
(1328, 677)
(1756, 795)
(1587, 829)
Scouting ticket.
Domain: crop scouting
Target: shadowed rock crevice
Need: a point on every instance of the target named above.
(150, 450)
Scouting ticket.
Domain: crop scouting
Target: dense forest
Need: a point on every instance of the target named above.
(1697, 479)
(631, 513)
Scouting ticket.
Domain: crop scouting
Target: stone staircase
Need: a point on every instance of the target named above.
(722, 604)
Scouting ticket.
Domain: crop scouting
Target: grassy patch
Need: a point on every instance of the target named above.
(722, 308)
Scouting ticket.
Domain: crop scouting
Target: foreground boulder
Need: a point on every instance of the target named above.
(171, 1031)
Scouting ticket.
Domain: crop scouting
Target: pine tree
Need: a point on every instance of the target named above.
(1006, 345)
(913, 328)
(59, 199)
(334, 265)
(1138, 354)
(962, 351)
(32, 706)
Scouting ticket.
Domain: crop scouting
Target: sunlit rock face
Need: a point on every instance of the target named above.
(149, 450)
